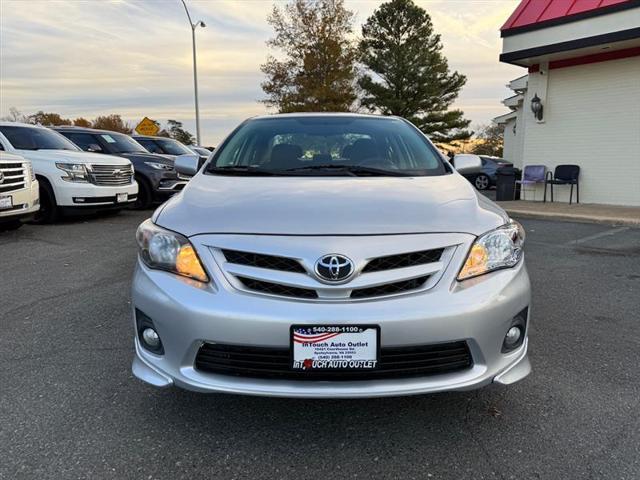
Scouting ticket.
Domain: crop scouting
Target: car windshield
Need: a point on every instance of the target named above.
(120, 143)
(327, 145)
(35, 138)
(172, 147)
(201, 151)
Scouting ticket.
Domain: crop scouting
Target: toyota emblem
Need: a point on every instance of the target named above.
(334, 268)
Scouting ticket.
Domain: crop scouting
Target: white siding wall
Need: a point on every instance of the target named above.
(509, 152)
(592, 119)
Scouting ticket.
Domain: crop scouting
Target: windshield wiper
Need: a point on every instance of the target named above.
(242, 170)
(356, 170)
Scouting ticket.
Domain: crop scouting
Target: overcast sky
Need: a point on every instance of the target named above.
(133, 57)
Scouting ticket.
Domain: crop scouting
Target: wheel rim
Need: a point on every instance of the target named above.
(482, 182)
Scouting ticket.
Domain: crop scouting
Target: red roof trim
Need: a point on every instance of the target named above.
(594, 58)
(534, 14)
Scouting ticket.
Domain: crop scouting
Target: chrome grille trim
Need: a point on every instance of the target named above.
(14, 176)
(110, 175)
(255, 270)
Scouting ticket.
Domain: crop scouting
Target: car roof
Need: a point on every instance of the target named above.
(21, 124)
(322, 114)
(73, 128)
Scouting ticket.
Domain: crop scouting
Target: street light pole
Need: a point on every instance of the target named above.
(199, 23)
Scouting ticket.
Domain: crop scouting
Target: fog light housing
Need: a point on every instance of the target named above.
(147, 334)
(515, 334)
(150, 337)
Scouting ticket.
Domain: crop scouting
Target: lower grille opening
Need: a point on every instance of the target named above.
(390, 288)
(277, 289)
(395, 362)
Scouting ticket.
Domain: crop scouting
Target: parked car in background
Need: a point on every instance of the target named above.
(19, 195)
(167, 146)
(155, 174)
(487, 177)
(69, 180)
(334, 256)
(201, 151)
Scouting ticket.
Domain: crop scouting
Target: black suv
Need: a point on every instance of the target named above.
(156, 177)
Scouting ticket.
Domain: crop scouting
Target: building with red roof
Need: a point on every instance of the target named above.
(583, 75)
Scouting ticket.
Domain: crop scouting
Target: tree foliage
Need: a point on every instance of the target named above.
(82, 122)
(491, 140)
(112, 122)
(318, 70)
(411, 76)
(48, 119)
(175, 131)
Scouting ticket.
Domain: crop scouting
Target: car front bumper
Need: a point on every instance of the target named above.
(26, 202)
(186, 314)
(94, 197)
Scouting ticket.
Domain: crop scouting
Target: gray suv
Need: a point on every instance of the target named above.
(329, 255)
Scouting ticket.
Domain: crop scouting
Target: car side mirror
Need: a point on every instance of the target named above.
(468, 164)
(94, 147)
(187, 164)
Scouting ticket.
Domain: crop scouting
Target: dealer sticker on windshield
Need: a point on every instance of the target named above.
(334, 347)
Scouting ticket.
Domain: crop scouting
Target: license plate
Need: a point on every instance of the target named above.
(334, 347)
(6, 202)
(121, 197)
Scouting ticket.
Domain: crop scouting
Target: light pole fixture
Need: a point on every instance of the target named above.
(199, 23)
(537, 107)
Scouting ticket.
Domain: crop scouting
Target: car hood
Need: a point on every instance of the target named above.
(329, 206)
(148, 157)
(71, 156)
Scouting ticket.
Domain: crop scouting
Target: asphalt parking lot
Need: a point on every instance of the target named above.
(70, 408)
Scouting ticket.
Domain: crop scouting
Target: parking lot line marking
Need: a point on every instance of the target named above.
(606, 233)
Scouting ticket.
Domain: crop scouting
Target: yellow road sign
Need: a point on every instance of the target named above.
(147, 127)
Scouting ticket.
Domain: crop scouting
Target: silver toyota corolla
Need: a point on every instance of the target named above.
(329, 255)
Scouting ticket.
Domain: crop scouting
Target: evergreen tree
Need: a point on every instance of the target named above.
(318, 70)
(411, 76)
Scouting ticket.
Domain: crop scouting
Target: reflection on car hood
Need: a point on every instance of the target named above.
(329, 206)
(148, 157)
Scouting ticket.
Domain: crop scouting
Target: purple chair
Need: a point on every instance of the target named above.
(531, 175)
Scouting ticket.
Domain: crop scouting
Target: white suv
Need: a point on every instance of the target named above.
(70, 180)
(18, 191)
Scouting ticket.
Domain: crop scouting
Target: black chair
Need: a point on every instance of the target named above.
(563, 175)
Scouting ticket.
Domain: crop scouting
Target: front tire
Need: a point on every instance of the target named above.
(144, 199)
(49, 211)
(482, 182)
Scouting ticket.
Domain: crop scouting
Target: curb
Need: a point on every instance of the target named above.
(564, 217)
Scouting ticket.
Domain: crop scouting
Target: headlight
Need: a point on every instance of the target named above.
(30, 172)
(159, 166)
(499, 248)
(76, 172)
(166, 250)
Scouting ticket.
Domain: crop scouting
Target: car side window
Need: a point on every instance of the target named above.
(1, 147)
(149, 145)
(84, 141)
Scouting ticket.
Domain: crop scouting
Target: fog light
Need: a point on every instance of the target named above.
(512, 337)
(151, 338)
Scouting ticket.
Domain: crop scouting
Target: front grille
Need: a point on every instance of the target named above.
(390, 288)
(395, 362)
(14, 177)
(263, 261)
(277, 288)
(403, 260)
(110, 175)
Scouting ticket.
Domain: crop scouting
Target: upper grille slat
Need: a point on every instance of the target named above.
(403, 260)
(260, 260)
